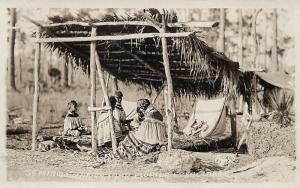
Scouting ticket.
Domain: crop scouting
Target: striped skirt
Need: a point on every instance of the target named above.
(152, 131)
(72, 123)
(104, 131)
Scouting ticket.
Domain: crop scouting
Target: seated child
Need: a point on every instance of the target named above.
(73, 126)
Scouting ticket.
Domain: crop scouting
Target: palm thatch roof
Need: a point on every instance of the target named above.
(195, 67)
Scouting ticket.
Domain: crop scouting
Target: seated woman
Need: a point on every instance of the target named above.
(148, 134)
(73, 125)
(119, 117)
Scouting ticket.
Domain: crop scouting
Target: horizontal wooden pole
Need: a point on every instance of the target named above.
(251, 69)
(136, 23)
(147, 79)
(120, 37)
(124, 23)
(92, 109)
(194, 24)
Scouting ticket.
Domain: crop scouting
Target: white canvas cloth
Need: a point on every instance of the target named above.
(208, 118)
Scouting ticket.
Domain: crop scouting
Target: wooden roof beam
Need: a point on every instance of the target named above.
(118, 23)
(194, 24)
(111, 38)
(150, 22)
(147, 79)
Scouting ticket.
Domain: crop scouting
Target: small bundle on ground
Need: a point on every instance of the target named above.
(183, 162)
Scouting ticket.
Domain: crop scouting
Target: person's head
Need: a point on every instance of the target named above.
(72, 105)
(112, 101)
(142, 104)
(118, 96)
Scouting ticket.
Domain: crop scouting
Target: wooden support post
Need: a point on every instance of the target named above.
(93, 91)
(106, 85)
(233, 121)
(36, 92)
(243, 138)
(169, 101)
(255, 95)
(110, 114)
(158, 93)
(241, 104)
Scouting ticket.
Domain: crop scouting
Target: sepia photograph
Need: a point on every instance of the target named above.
(176, 95)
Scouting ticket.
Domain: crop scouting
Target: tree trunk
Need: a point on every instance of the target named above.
(222, 30)
(266, 42)
(64, 72)
(240, 45)
(11, 60)
(255, 49)
(50, 81)
(274, 45)
(65, 76)
(240, 52)
(45, 65)
(70, 72)
(20, 72)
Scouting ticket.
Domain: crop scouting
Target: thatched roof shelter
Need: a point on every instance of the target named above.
(195, 67)
(148, 48)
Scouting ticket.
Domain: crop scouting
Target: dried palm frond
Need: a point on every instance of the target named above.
(196, 68)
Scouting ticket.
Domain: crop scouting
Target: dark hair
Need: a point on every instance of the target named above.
(118, 94)
(74, 103)
(112, 101)
(143, 103)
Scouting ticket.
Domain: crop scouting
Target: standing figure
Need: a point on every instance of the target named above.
(119, 112)
(119, 118)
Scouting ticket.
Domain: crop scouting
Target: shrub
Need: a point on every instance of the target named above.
(280, 102)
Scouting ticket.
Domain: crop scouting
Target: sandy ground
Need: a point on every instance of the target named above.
(69, 165)
(26, 165)
(61, 165)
